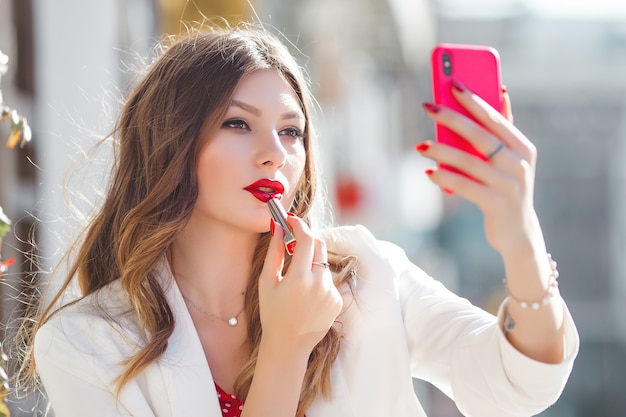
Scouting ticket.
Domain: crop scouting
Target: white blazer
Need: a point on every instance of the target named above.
(403, 325)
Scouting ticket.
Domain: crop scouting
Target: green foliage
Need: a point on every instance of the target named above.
(5, 224)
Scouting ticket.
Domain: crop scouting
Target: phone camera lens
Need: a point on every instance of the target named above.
(447, 64)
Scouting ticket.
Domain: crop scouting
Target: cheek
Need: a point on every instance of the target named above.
(219, 153)
(206, 168)
(212, 166)
(296, 163)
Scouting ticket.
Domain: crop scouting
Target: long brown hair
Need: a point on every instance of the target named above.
(153, 190)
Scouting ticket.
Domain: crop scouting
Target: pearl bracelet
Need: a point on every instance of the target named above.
(552, 290)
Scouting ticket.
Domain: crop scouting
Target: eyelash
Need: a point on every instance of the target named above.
(239, 124)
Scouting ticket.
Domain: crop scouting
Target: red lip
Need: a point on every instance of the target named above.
(266, 189)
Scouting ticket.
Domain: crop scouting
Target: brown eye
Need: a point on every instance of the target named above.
(293, 132)
(235, 124)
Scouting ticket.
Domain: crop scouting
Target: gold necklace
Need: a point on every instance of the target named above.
(232, 321)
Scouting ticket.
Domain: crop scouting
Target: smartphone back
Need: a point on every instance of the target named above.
(478, 68)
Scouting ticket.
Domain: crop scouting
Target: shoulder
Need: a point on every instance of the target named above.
(84, 345)
(108, 311)
(359, 241)
(381, 266)
(90, 324)
(352, 240)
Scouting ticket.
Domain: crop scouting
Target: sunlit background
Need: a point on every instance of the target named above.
(564, 63)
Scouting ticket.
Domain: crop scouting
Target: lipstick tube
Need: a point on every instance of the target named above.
(280, 215)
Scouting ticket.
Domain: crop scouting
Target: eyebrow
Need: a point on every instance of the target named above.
(257, 112)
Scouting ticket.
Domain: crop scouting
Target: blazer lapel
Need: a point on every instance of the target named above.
(184, 367)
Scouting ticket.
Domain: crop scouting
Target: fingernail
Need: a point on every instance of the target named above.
(458, 86)
(503, 88)
(272, 226)
(433, 108)
(429, 172)
(290, 214)
(422, 147)
(291, 247)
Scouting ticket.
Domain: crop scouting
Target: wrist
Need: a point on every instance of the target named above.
(550, 292)
(278, 377)
(525, 243)
(532, 283)
(283, 349)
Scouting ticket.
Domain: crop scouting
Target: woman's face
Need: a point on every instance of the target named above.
(257, 152)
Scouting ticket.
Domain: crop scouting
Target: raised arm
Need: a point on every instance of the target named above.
(503, 191)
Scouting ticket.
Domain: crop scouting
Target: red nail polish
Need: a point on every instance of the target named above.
(433, 108)
(503, 89)
(272, 226)
(422, 147)
(429, 172)
(458, 86)
(290, 214)
(290, 247)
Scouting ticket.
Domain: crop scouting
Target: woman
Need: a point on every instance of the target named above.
(191, 306)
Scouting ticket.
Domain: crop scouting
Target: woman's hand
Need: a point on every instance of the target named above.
(297, 309)
(502, 187)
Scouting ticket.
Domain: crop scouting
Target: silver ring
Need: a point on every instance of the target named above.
(497, 149)
(324, 264)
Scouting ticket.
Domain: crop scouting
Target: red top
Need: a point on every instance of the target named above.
(231, 406)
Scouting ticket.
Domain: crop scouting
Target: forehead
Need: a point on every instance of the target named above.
(266, 88)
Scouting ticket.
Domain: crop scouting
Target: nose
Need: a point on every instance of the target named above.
(271, 151)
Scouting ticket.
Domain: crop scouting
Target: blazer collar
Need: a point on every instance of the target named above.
(184, 367)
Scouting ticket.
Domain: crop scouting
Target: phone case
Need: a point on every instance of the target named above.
(475, 66)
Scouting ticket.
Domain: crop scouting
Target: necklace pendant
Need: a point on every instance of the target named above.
(232, 322)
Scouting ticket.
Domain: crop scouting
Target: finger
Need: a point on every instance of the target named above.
(461, 185)
(303, 254)
(496, 177)
(320, 254)
(506, 104)
(275, 257)
(483, 140)
(492, 120)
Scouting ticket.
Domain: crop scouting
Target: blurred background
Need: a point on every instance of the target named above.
(564, 63)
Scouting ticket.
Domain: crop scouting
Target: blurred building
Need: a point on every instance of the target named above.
(71, 62)
(562, 66)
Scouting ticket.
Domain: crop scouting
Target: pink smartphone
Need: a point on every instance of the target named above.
(476, 67)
